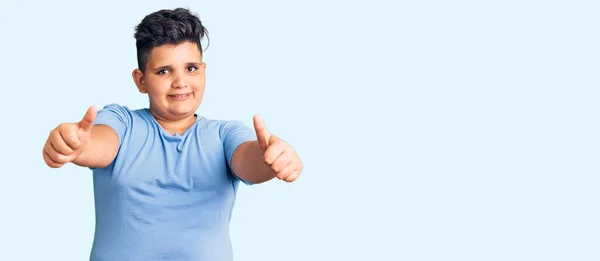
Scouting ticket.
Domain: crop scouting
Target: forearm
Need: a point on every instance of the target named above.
(253, 167)
(101, 149)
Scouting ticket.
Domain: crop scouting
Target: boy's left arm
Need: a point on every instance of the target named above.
(265, 158)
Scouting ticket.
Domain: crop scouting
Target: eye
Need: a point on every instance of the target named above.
(192, 68)
(163, 71)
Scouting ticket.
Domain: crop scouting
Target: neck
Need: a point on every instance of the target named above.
(173, 126)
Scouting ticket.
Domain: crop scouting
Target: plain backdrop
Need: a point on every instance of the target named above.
(429, 130)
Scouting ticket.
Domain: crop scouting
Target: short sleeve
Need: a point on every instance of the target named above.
(115, 116)
(233, 134)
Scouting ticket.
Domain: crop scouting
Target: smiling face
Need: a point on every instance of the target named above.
(174, 80)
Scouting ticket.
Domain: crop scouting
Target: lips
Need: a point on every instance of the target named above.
(179, 97)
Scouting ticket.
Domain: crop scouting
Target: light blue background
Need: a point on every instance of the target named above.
(430, 130)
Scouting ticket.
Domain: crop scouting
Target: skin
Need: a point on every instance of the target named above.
(171, 70)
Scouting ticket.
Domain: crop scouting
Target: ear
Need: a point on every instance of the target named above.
(138, 78)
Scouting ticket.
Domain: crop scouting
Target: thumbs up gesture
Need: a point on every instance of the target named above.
(277, 154)
(68, 140)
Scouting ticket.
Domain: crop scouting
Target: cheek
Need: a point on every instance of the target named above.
(158, 88)
(199, 85)
(199, 88)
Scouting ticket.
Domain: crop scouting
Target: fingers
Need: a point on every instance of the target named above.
(262, 134)
(57, 157)
(53, 158)
(292, 177)
(278, 155)
(64, 142)
(58, 143)
(67, 134)
(273, 152)
(62, 145)
(283, 161)
(51, 163)
(88, 119)
(289, 173)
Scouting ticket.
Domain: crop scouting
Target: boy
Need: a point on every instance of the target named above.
(165, 178)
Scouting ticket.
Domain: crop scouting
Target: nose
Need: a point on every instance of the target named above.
(179, 81)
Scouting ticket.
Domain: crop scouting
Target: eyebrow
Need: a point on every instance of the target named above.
(197, 64)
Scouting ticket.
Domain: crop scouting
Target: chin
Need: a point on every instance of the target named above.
(183, 110)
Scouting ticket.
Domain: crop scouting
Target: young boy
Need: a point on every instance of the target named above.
(165, 178)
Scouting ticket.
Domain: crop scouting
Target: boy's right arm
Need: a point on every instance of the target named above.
(81, 143)
(101, 150)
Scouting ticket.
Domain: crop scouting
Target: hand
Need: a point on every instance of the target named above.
(66, 141)
(278, 154)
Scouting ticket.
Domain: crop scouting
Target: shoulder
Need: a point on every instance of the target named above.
(124, 113)
(218, 124)
(115, 107)
(121, 118)
(226, 130)
(224, 127)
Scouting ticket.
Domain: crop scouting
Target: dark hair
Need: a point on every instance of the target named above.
(167, 27)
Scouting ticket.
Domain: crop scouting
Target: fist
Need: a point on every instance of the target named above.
(277, 154)
(66, 141)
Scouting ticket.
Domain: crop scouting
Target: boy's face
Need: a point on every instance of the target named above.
(174, 80)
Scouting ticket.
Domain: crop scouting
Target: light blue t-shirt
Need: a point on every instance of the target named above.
(166, 197)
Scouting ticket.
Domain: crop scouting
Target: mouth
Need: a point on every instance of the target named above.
(179, 97)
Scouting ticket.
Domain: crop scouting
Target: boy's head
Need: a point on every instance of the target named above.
(170, 67)
(171, 27)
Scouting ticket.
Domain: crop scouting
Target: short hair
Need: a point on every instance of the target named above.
(167, 27)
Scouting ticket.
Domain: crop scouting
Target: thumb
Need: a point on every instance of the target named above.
(88, 120)
(262, 134)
